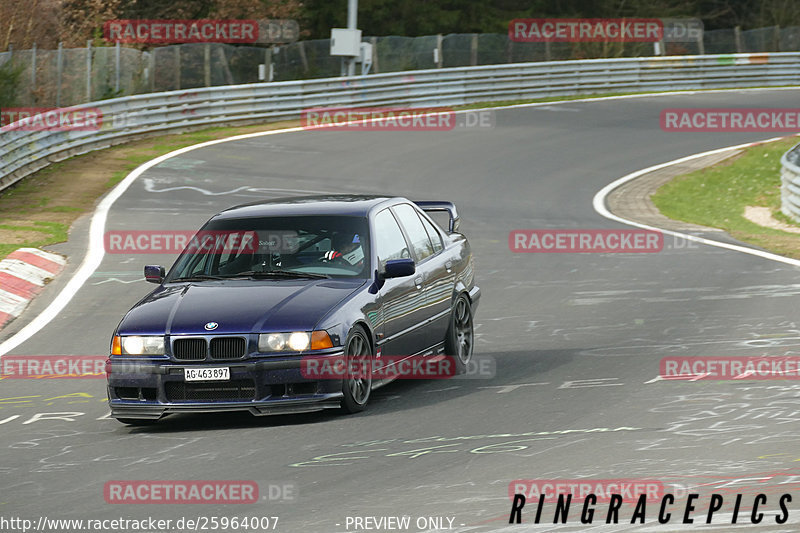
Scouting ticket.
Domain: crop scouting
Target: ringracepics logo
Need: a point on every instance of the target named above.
(644, 502)
(181, 492)
(730, 120)
(729, 368)
(181, 31)
(585, 241)
(52, 366)
(586, 30)
(50, 119)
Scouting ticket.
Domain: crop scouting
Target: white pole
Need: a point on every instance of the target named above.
(352, 24)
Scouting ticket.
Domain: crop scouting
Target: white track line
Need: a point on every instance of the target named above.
(96, 250)
(599, 203)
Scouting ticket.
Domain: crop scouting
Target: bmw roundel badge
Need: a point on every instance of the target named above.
(211, 326)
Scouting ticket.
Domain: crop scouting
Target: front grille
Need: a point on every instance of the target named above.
(189, 349)
(228, 347)
(237, 390)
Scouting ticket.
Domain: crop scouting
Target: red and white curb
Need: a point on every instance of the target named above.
(22, 275)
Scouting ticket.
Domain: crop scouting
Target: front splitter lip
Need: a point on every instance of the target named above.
(271, 407)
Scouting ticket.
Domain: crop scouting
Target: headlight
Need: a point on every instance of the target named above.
(142, 345)
(296, 341)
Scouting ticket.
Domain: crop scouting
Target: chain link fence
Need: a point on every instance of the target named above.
(57, 78)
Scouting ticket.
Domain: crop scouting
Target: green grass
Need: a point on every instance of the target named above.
(51, 232)
(717, 196)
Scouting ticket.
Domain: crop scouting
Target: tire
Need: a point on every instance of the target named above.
(138, 421)
(357, 387)
(460, 338)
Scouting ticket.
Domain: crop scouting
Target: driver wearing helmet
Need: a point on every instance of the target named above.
(346, 248)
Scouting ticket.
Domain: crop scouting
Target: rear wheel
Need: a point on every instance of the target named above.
(459, 341)
(357, 386)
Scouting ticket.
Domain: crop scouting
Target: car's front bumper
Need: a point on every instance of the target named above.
(150, 389)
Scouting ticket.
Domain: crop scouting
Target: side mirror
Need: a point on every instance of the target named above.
(398, 268)
(154, 273)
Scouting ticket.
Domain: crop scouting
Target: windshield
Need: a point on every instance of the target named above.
(276, 248)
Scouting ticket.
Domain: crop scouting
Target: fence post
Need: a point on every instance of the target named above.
(33, 68)
(177, 67)
(152, 61)
(207, 65)
(473, 50)
(268, 72)
(116, 61)
(303, 57)
(374, 41)
(737, 37)
(776, 36)
(547, 54)
(59, 69)
(89, 70)
(439, 58)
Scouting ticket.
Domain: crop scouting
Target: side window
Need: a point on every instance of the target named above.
(416, 231)
(389, 240)
(436, 239)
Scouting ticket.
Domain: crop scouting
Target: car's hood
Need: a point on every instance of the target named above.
(237, 306)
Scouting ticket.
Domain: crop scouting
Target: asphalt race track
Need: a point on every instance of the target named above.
(576, 338)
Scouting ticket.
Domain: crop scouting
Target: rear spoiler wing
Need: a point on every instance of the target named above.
(448, 207)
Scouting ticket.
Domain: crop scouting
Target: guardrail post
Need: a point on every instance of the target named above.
(439, 58)
(737, 37)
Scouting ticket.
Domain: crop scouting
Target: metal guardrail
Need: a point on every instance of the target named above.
(24, 152)
(790, 183)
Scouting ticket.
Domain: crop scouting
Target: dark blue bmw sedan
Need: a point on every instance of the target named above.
(268, 287)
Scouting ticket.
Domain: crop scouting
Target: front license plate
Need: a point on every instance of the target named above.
(219, 373)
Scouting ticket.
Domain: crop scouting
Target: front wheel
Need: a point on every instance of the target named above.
(459, 339)
(357, 384)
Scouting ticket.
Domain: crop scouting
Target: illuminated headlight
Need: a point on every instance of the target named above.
(293, 342)
(136, 345)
